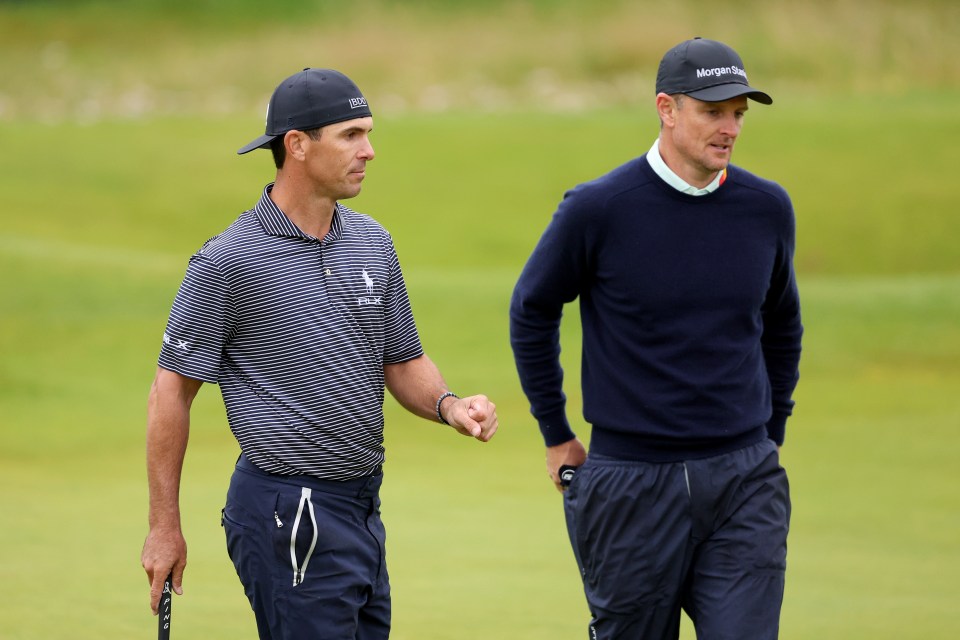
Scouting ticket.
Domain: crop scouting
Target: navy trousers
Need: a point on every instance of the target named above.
(706, 536)
(310, 554)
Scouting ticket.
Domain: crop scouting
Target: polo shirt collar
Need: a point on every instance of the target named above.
(666, 173)
(276, 223)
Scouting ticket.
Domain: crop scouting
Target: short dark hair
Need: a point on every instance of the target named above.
(280, 151)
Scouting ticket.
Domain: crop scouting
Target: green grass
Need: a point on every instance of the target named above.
(95, 251)
(101, 210)
(85, 61)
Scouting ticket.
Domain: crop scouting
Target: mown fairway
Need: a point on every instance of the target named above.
(101, 210)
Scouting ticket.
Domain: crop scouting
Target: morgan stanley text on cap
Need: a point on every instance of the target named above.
(310, 99)
(706, 70)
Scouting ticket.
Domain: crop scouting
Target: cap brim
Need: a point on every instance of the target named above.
(263, 142)
(721, 92)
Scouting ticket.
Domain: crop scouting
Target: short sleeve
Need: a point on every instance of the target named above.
(401, 340)
(200, 323)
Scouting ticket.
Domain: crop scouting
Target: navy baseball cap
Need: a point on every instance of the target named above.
(310, 99)
(706, 70)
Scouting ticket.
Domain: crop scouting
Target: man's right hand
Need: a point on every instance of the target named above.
(164, 551)
(571, 453)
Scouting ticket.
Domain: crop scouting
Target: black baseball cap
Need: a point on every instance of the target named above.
(310, 99)
(706, 70)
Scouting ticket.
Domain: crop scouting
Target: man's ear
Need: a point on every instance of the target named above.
(294, 142)
(666, 109)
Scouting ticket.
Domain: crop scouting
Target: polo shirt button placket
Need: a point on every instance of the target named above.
(324, 269)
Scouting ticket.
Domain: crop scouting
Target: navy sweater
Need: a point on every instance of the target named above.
(689, 310)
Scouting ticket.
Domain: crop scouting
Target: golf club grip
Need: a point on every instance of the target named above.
(566, 473)
(164, 609)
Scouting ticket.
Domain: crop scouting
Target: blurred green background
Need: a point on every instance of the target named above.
(119, 123)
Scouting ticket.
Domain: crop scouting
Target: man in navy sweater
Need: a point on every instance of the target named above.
(683, 266)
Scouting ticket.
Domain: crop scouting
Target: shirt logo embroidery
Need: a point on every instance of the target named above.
(182, 345)
(368, 284)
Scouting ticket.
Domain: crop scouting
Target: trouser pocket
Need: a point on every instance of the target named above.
(237, 534)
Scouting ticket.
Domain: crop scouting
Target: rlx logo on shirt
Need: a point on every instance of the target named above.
(182, 345)
(368, 285)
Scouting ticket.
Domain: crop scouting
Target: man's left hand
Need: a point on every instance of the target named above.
(473, 416)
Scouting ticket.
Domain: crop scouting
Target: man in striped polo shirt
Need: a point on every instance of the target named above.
(299, 312)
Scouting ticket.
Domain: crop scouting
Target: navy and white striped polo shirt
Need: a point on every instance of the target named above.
(296, 331)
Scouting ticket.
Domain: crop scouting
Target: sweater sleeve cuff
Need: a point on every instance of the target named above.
(777, 427)
(556, 430)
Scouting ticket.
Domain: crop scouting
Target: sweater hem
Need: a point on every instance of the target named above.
(641, 448)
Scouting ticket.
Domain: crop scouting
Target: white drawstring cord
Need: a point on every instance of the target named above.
(300, 570)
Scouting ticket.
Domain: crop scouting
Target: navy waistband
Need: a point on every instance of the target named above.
(362, 487)
(628, 446)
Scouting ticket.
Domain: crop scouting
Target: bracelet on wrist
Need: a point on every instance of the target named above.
(444, 396)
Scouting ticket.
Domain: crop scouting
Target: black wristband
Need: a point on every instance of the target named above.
(444, 396)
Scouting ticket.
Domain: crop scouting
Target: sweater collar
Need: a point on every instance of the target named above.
(667, 175)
